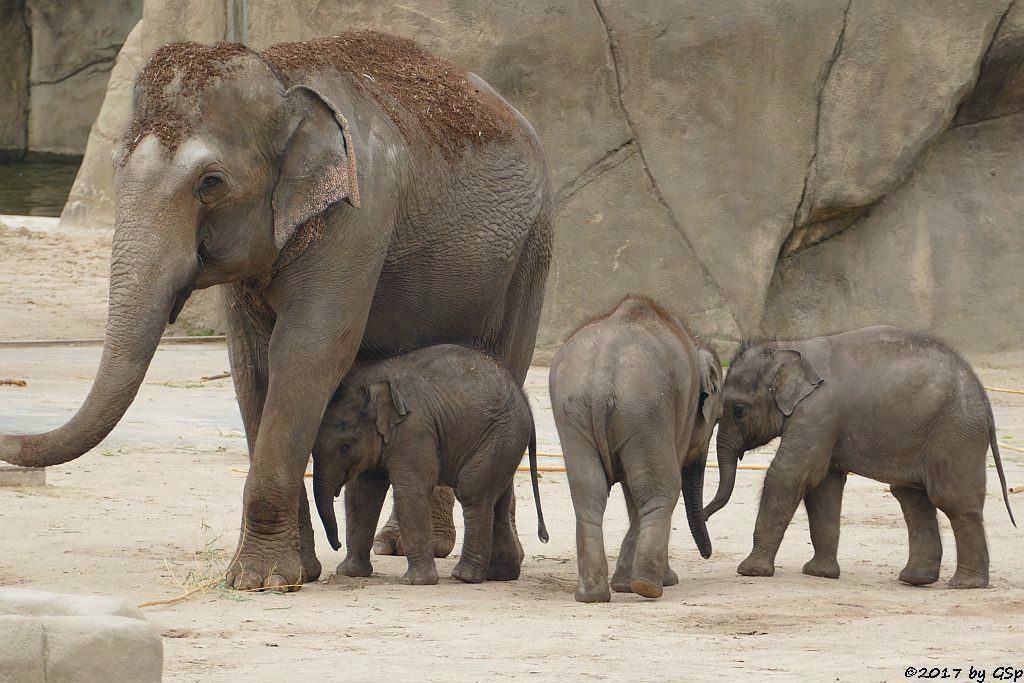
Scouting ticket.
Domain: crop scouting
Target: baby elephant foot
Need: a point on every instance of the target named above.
(355, 566)
(756, 566)
(962, 579)
(622, 582)
(420, 576)
(504, 569)
(592, 594)
(389, 542)
(467, 572)
(825, 567)
(917, 576)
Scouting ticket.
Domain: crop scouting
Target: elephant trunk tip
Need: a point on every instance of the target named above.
(12, 450)
(335, 543)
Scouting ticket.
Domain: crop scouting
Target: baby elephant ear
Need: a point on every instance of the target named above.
(792, 379)
(710, 385)
(318, 168)
(388, 407)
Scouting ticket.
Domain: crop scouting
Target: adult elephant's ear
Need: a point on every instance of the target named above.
(319, 163)
(388, 407)
(791, 379)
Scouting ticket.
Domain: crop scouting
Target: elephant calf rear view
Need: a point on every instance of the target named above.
(635, 399)
(881, 402)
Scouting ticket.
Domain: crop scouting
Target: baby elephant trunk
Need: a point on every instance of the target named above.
(324, 492)
(693, 501)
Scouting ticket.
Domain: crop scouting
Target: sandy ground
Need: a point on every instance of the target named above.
(159, 501)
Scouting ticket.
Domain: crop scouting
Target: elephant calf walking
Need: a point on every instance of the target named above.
(880, 402)
(635, 400)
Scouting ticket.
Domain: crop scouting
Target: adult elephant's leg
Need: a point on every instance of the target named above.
(654, 478)
(321, 316)
(388, 540)
(797, 467)
(824, 504)
(923, 535)
(250, 325)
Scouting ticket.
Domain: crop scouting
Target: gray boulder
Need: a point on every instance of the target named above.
(75, 638)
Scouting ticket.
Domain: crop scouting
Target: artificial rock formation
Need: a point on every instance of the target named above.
(794, 167)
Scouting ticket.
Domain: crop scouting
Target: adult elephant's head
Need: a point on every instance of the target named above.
(762, 389)
(219, 167)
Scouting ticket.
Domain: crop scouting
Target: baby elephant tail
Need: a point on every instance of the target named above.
(999, 464)
(542, 530)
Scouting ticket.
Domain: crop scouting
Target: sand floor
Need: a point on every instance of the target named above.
(157, 505)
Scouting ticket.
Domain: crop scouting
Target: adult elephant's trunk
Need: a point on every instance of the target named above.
(150, 272)
(728, 456)
(324, 490)
(693, 500)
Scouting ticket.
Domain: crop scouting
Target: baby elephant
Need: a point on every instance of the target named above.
(440, 415)
(883, 403)
(635, 399)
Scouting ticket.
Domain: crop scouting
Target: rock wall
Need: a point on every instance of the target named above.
(793, 167)
(55, 60)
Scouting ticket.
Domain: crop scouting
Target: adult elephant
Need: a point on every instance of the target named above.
(360, 198)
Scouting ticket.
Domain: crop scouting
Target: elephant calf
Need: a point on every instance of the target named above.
(635, 399)
(441, 415)
(883, 403)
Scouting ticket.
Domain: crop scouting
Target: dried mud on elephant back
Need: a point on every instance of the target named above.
(397, 73)
(190, 67)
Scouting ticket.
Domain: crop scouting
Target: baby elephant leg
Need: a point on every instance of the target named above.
(622, 577)
(412, 505)
(475, 563)
(506, 555)
(652, 473)
(588, 487)
(923, 533)
(824, 504)
(364, 497)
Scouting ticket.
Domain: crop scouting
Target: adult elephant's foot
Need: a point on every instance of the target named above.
(756, 566)
(420, 576)
(825, 567)
(646, 587)
(919, 576)
(388, 540)
(966, 579)
(259, 565)
(593, 594)
(355, 566)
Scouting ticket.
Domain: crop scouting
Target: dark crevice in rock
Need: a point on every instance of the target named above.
(826, 73)
(986, 120)
(968, 110)
(613, 50)
(105, 63)
(607, 162)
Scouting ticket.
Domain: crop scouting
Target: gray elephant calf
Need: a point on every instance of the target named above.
(635, 400)
(881, 402)
(440, 415)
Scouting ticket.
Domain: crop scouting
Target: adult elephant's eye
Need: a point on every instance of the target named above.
(210, 187)
(345, 448)
(739, 410)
